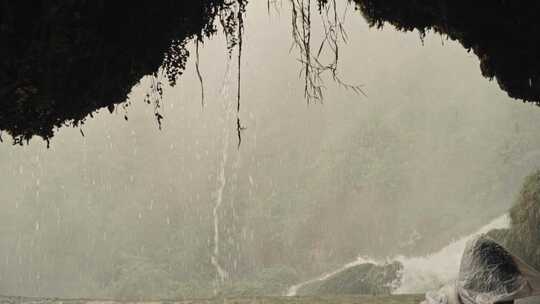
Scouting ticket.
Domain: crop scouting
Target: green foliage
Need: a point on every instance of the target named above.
(523, 236)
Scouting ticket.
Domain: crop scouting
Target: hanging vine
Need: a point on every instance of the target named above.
(313, 67)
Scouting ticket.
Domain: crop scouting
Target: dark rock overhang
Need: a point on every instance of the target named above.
(504, 34)
(60, 61)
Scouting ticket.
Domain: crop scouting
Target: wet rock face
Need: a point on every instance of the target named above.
(62, 60)
(502, 34)
(365, 278)
(488, 267)
(522, 238)
(488, 273)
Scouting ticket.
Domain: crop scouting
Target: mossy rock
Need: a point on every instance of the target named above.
(365, 278)
(523, 236)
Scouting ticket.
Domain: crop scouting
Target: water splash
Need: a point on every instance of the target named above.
(420, 274)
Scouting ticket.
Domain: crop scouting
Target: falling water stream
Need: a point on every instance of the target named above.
(222, 178)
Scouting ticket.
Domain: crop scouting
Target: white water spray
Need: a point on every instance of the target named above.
(222, 178)
(421, 274)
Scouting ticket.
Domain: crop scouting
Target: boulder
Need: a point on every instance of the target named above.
(488, 274)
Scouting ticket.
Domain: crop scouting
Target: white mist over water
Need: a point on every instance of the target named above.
(421, 274)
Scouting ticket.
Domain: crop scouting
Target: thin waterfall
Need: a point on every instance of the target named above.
(222, 178)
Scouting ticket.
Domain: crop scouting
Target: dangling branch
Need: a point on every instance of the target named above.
(301, 27)
(155, 95)
(239, 127)
(334, 32)
(232, 21)
(197, 61)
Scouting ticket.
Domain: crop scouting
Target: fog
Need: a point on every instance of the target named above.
(119, 208)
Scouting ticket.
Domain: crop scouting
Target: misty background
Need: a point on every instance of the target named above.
(432, 153)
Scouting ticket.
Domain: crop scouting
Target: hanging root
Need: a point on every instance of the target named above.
(313, 67)
(239, 127)
(197, 61)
